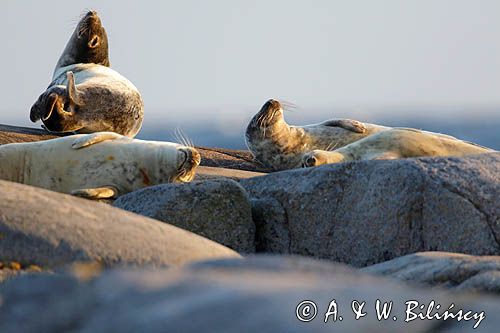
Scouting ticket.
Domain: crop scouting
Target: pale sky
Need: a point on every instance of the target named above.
(224, 59)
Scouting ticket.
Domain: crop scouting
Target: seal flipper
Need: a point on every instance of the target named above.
(347, 124)
(105, 192)
(90, 139)
(73, 97)
(43, 107)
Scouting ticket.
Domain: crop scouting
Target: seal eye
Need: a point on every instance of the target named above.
(94, 42)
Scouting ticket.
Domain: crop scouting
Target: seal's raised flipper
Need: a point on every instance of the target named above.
(71, 89)
(106, 192)
(90, 139)
(347, 124)
(43, 107)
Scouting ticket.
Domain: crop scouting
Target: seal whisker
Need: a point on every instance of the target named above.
(183, 138)
(84, 12)
(332, 146)
(288, 106)
(73, 22)
(177, 136)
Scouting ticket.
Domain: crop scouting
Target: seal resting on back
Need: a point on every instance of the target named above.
(280, 146)
(393, 144)
(97, 166)
(85, 95)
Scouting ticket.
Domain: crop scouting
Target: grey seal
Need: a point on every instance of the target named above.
(98, 165)
(85, 94)
(394, 144)
(280, 146)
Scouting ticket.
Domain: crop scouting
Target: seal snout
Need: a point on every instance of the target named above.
(92, 16)
(91, 13)
(192, 158)
(268, 114)
(272, 104)
(189, 159)
(309, 160)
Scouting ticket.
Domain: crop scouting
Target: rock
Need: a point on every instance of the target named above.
(230, 159)
(14, 134)
(51, 229)
(444, 269)
(272, 233)
(259, 294)
(216, 209)
(207, 173)
(210, 157)
(366, 212)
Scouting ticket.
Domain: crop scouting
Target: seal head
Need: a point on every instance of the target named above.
(269, 114)
(320, 157)
(88, 43)
(188, 159)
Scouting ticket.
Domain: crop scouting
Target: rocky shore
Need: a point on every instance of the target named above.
(239, 248)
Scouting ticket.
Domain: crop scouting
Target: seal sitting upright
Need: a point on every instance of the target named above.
(280, 146)
(85, 95)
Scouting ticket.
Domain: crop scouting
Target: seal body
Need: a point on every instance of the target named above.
(98, 165)
(280, 146)
(393, 144)
(85, 95)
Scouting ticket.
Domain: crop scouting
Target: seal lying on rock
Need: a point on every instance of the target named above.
(395, 143)
(97, 166)
(85, 95)
(280, 146)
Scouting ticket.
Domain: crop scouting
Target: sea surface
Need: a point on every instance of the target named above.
(226, 130)
(483, 130)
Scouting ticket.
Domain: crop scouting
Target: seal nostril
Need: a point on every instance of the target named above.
(311, 161)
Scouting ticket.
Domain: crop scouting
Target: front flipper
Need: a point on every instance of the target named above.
(71, 90)
(44, 106)
(90, 139)
(106, 192)
(347, 124)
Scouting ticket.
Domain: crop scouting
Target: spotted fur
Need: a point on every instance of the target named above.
(81, 164)
(85, 95)
(395, 143)
(280, 146)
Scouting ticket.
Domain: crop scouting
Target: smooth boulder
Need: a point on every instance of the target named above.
(444, 269)
(216, 209)
(50, 229)
(366, 212)
(209, 173)
(259, 294)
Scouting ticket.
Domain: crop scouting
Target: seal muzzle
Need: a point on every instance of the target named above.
(188, 160)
